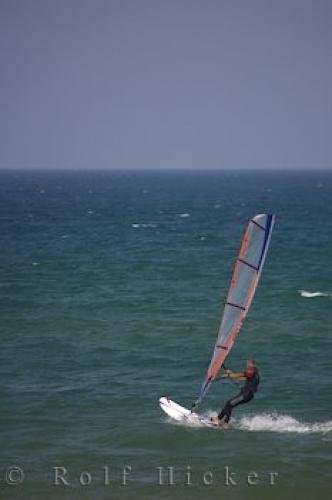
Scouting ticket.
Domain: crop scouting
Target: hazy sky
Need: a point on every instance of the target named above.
(165, 83)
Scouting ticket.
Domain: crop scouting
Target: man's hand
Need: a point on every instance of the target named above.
(227, 374)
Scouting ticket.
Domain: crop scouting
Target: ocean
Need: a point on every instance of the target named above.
(111, 292)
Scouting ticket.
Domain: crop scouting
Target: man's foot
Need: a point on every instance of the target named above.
(216, 421)
(219, 422)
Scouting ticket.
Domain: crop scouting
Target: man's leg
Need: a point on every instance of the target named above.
(226, 412)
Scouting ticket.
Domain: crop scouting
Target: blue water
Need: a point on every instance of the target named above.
(111, 292)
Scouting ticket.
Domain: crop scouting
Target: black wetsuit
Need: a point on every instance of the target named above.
(246, 394)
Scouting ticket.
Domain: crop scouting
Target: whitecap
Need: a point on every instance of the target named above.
(312, 295)
(144, 225)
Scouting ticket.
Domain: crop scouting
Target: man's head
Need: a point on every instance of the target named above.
(251, 364)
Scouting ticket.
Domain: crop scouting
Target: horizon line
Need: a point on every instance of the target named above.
(165, 169)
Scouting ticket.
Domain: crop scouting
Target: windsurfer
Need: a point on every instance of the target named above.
(251, 378)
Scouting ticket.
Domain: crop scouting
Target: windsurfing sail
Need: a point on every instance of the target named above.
(246, 273)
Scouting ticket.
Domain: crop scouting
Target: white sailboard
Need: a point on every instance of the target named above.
(181, 414)
(245, 277)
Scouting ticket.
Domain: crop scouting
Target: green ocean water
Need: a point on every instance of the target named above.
(111, 292)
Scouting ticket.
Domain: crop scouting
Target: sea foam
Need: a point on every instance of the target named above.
(265, 422)
(274, 422)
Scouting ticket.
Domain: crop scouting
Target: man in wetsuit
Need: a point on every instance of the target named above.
(251, 379)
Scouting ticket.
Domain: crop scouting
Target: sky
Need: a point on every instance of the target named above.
(157, 84)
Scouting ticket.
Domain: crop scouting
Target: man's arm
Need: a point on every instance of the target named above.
(235, 375)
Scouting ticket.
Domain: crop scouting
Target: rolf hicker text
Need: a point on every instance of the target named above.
(164, 476)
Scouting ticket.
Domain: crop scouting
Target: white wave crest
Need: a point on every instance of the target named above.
(281, 423)
(150, 224)
(313, 295)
